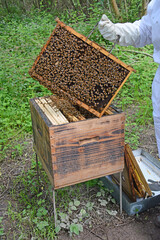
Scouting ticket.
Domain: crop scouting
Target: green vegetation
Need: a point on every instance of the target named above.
(21, 38)
(75, 205)
(1, 227)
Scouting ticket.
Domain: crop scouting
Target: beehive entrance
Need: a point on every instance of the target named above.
(72, 66)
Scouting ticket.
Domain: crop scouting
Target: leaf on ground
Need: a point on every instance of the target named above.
(82, 212)
(73, 208)
(76, 203)
(71, 204)
(90, 205)
(113, 200)
(63, 216)
(41, 225)
(57, 229)
(41, 212)
(63, 225)
(76, 228)
(103, 202)
(98, 194)
(75, 220)
(111, 212)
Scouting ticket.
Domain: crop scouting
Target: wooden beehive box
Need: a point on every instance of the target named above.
(73, 152)
(86, 75)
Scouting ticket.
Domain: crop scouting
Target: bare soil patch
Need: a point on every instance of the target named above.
(117, 227)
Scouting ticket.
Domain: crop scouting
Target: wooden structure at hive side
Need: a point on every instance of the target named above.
(78, 151)
(80, 70)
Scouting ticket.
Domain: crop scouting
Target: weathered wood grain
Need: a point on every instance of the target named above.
(40, 126)
(78, 151)
(87, 149)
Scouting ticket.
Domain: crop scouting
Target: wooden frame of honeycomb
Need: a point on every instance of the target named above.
(72, 66)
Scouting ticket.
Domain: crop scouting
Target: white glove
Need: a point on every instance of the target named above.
(124, 34)
(107, 29)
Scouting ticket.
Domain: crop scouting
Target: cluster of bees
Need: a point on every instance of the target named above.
(70, 64)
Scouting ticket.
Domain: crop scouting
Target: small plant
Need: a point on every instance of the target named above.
(66, 220)
(1, 227)
(75, 205)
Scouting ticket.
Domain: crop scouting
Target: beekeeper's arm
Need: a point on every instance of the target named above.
(137, 34)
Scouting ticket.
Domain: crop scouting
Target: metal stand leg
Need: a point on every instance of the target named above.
(37, 171)
(54, 208)
(120, 189)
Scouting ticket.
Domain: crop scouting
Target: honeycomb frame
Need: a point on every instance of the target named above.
(59, 80)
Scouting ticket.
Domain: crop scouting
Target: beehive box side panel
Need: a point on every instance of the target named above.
(40, 126)
(87, 174)
(87, 149)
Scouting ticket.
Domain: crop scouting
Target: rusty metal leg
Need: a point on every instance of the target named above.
(120, 189)
(54, 208)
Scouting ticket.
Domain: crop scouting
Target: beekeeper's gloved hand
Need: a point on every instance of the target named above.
(124, 34)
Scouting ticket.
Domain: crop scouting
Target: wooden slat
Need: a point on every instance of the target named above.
(141, 181)
(54, 115)
(86, 175)
(53, 121)
(40, 126)
(68, 114)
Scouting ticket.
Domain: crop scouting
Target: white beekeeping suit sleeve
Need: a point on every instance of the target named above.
(137, 34)
(140, 33)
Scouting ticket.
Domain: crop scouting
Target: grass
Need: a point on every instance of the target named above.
(21, 40)
(76, 205)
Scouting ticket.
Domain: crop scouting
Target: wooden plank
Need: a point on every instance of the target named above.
(109, 111)
(53, 121)
(54, 111)
(50, 176)
(86, 175)
(125, 182)
(141, 181)
(54, 115)
(40, 126)
(90, 126)
(80, 147)
(135, 178)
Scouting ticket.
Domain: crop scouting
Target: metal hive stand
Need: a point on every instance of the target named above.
(54, 195)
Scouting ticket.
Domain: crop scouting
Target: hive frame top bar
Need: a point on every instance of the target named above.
(97, 47)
